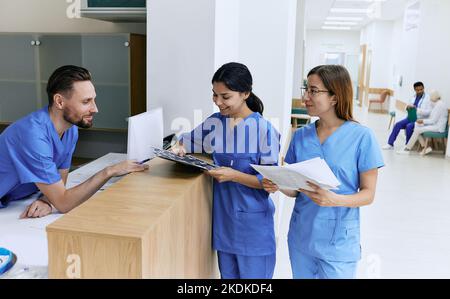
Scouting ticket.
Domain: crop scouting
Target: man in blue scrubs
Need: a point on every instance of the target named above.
(36, 151)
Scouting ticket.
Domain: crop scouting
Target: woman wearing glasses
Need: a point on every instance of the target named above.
(324, 232)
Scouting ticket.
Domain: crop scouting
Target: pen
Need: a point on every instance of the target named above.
(143, 161)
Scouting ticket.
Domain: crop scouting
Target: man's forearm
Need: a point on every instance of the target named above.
(82, 192)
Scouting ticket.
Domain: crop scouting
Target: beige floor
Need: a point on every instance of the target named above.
(405, 233)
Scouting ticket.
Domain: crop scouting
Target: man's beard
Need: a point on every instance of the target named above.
(79, 123)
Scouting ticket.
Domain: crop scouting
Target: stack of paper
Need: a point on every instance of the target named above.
(295, 176)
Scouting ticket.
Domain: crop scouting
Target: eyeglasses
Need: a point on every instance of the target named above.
(311, 91)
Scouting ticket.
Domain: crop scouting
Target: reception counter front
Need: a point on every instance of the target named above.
(153, 224)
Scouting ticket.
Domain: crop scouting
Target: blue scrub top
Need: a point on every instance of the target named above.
(32, 152)
(332, 233)
(242, 216)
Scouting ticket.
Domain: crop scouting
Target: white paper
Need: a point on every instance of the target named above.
(145, 131)
(295, 176)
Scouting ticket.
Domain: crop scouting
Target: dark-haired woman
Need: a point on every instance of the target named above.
(324, 232)
(237, 136)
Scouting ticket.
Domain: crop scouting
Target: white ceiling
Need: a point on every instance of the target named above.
(318, 10)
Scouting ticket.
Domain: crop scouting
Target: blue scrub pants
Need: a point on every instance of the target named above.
(403, 124)
(233, 266)
(308, 267)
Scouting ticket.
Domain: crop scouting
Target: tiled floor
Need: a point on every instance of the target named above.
(405, 233)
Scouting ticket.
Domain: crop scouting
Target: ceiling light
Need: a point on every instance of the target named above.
(350, 10)
(340, 23)
(335, 28)
(344, 19)
(361, 1)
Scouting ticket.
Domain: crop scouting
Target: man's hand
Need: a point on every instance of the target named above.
(37, 209)
(420, 121)
(223, 174)
(269, 186)
(409, 106)
(126, 167)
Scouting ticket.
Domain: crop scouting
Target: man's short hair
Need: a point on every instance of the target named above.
(418, 84)
(62, 79)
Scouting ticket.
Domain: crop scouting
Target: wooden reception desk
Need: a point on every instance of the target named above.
(153, 224)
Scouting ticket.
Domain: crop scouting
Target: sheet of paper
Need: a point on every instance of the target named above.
(316, 169)
(295, 176)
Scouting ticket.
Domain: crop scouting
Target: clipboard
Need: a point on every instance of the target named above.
(186, 160)
(412, 114)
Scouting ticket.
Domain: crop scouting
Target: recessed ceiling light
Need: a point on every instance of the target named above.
(335, 28)
(344, 19)
(361, 1)
(340, 23)
(351, 10)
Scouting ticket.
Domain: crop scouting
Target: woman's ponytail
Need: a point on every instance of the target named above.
(255, 104)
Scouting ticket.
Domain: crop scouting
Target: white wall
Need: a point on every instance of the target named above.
(417, 54)
(299, 61)
(396, 41)
(180, 59)
(320, 42)
(378, 39)
(433, 60)
(186, 46)
(267, 47)
(50, 16)
(227, 26)
(405, 49)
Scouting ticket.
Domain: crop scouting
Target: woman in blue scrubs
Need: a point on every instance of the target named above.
(324, 232)
(237, 136)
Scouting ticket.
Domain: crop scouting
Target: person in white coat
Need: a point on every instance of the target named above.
(436, 122)
(422, 102)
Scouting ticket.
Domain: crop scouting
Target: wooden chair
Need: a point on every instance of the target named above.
(383, 97)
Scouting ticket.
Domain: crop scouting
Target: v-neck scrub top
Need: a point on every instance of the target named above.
(332, 233)
(32, 152)
(242, 216)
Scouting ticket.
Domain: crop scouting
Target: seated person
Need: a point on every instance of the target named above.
(422, 102)
(437, 122)
(36, 151)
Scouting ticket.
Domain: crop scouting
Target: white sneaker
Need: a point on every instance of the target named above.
(404, 151)
(388, 147)
(426, 151)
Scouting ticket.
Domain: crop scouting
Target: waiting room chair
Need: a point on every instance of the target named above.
(300, 117)
(431, 136)
(400, 106)
(392, 120)
(383, 96)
